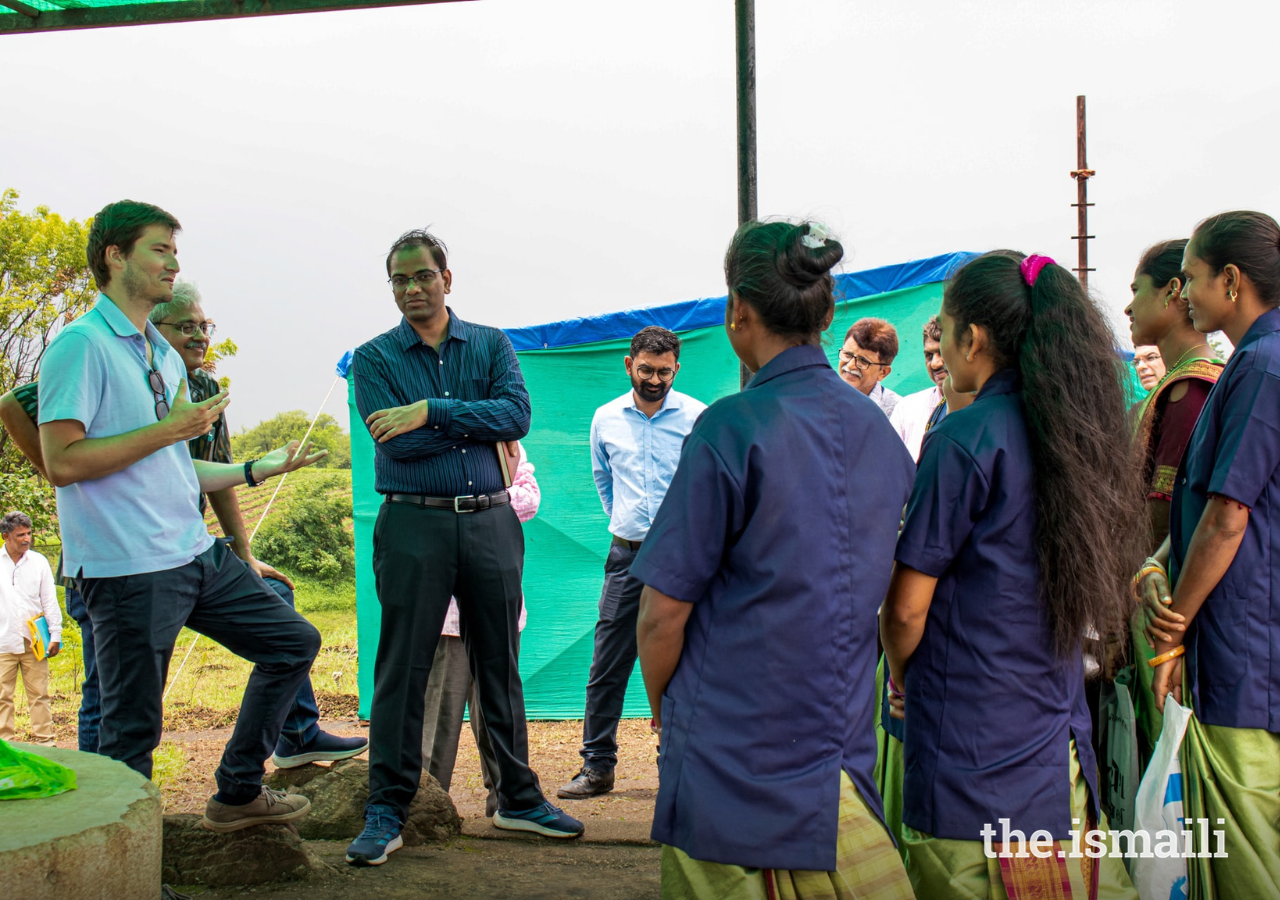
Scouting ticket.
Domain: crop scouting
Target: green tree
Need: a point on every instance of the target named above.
(224, 349)
(310, 536)
(44, 283)
(291, 426)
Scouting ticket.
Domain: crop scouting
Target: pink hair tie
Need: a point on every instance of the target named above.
(1031, 267)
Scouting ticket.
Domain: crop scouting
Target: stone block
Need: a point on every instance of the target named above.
(259, 854)
(101, 841)
(338, 795)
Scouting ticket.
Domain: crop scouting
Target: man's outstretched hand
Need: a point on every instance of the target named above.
(288, 458)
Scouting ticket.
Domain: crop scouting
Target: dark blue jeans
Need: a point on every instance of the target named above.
(90, 699)
(303, 723)
(136, 619)
(612, 661)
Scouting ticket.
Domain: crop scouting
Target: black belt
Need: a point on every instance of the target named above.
(473, 503)
(630, 545)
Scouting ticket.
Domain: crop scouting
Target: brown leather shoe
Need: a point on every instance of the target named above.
(588, 782)
(269, 807)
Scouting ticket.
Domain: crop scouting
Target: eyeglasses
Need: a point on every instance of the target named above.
(859, 362)
(423, 277)
(190, 328)
(156, 381)
(647, 372)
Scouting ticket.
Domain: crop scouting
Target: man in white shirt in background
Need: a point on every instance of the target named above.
(911, 416)
(28, 592)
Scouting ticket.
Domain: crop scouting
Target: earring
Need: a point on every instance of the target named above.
(1233, 296)
(733, 326)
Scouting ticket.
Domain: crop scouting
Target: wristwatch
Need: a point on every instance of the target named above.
(248, 474)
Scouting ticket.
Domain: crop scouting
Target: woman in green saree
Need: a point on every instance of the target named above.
(1221, 650)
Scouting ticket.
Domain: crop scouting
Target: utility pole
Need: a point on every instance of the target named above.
(1082, 174)
(745, 22)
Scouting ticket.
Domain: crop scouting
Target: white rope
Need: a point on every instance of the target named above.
(302, 448)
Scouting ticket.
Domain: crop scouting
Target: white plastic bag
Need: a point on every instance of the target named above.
(1159, 808)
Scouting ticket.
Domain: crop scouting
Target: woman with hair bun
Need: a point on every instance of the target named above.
(1163, 422)
(1223, 559)
(763, 572)
(1019, 537)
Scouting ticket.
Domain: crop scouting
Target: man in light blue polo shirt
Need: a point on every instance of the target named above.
(114, 421)
(635, 446)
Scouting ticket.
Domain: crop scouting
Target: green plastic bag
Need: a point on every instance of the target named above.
(24, 776)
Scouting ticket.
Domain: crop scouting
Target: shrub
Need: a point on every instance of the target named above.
(311, 538)
(34, 496)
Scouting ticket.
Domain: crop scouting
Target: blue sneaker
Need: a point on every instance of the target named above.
(380, 837)
(325, 748)
(546, 820)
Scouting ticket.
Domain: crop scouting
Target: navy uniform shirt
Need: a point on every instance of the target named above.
(990, 712)
(779, 528)
(476, 397)
(1233, 644)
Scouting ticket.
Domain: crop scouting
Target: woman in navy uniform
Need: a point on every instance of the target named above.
(1021, 528)
(763, 571)
(1222, 560)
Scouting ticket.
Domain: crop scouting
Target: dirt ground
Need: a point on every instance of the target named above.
(474, 868)
(615, 860)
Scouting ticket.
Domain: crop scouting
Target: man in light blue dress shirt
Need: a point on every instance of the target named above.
(635, 446)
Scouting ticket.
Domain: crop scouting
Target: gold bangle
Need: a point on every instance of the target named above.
(1167, 655)
(1147, 570)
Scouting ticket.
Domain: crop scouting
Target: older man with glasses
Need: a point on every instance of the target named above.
(183, 323)
(115, 417)
(870, 346)
(635, 447)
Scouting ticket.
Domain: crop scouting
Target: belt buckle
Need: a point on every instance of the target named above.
(459, 511)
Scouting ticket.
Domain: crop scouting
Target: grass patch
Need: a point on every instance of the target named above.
(169, 764)
(206, 693)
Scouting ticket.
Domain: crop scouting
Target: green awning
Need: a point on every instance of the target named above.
(25, 16)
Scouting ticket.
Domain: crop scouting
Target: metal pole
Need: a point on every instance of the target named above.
(1082, 174)
(745, 26)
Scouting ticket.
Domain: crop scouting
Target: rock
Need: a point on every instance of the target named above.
(101, 840)
(338, 795)
(260, 854)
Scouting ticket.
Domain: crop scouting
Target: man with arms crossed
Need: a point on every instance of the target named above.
(114, 421)
(438, 394)
(635, 446)
(183, 323)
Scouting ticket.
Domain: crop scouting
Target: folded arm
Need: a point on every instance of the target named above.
(400, 429)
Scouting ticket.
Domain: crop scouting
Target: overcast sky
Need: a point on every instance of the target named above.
(578, 156)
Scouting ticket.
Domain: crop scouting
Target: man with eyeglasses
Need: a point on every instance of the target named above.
(183, 323)
(870, 346)
(115, 417)
(443, 399)
(635, 447)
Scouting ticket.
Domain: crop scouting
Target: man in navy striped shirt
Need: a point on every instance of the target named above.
(439, 395)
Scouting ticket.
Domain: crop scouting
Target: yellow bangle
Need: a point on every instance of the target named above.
(1166, 656)
(1147, 569)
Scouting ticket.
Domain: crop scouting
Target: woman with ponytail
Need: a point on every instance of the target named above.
(1220, 654)
(1163, 422)
(763, 571)
(1018, 539)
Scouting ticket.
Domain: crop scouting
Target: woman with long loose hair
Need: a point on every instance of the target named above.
(1019, 537)
(1222, 557)
(762, 572)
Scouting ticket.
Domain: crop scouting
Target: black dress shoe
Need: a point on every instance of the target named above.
(588, 782)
